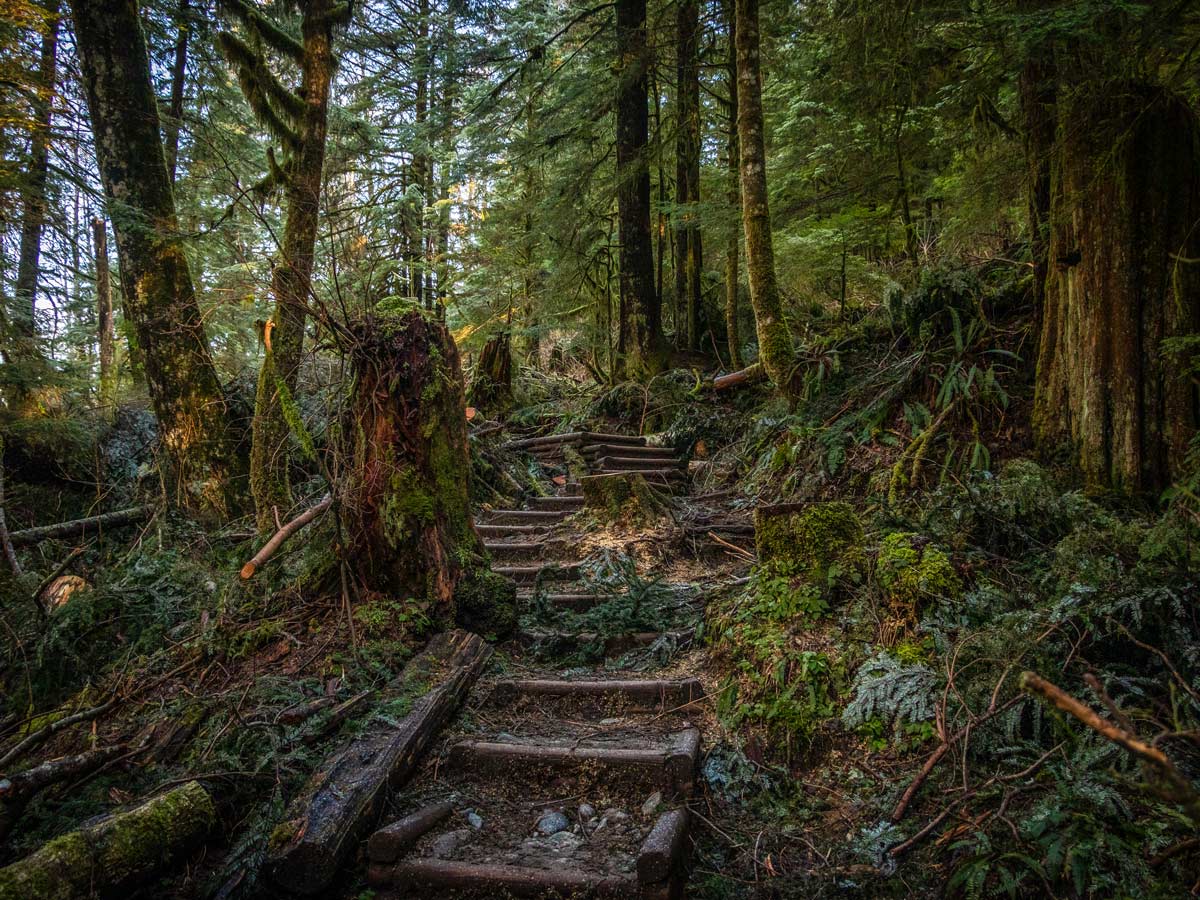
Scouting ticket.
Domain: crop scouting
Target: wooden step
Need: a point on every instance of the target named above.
(547, 572)
(625, 463)
(524, 516)
(648, 693)
(499, 531)
(576, 602)
(614, 645)
(515, 549)
(557, 503)
(576, 437)
(654, 475)
(450, 878)
(668, 763)
(592, 450)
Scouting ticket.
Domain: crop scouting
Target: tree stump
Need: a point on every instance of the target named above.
(491, 386)
(407, 500)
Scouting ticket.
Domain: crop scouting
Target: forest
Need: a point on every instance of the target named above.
(599, 448)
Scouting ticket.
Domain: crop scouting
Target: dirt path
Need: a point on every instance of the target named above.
(567, 782)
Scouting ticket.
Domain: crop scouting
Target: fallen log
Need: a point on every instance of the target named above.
(388, 843)
(420, 876)
(748, 375)
(81, 526)
(18, 789)
(112, 856)
(283, 534)
(345, 795)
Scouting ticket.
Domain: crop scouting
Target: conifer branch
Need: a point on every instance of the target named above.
(274, 36)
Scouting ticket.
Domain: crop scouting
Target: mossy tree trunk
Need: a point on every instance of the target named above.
(104, 314)
(491, 388)
(1036, 90)
(1125, 200)
(407, 500)
(775, 350)
(205, 471)
(733, 250)
(640, 342)
(291, 279)
(688, 248)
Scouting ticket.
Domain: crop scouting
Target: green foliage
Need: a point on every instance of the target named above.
(887, 690)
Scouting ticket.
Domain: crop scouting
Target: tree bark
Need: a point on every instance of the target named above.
(407, 503)
(204, 470)
(688, 251)
(33, 196)
(1036, 90)
(109, 858)
(1125, 199)
(775, 349)
(104, 313)
(733, 249)
(291, 279)
(641, 342)
(178, 74)
(491, 386)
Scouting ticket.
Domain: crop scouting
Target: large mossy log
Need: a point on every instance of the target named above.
(110, 857)
(408, 502)
(345, 797)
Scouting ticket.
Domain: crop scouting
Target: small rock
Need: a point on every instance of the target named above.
(564, 842)
(474, 819)
(652, 803)
(587, 812)
(445, 845)
(553, 822)
(616, 815)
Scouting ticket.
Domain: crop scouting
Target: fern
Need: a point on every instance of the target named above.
(886, 688)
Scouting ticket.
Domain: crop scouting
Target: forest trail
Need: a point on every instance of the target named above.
(556, 782)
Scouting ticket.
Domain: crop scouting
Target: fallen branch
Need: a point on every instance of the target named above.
(1178, 787)
(17, 790)
(748, 375)
(283, 534)
(53, 728)
(111, 857)
(81, 526)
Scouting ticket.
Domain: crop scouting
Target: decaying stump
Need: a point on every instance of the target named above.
(491, 386)
(109, 857)
(624, 498)
(345, 795)
(407, 502)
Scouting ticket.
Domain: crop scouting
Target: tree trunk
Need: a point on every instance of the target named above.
(33, 197)
(641, 340)
(104, 313)
(160, 299)
(408, 496)
(1125, 199)
(291, 279)
(775, 349)
(491, 387)
(687, 170)
(732, 335)
(420, 162)
(178, 73)
(1035, 88)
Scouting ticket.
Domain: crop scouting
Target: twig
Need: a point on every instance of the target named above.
(283, 534)
(53, 728)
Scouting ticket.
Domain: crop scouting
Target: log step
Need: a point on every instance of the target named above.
(593, 450)
(625, 463)
(525, 516)
(614, 645)
(500, 531)
(576, 602)
(515, 549)
(648, 474)
(668, 763)
(576, 437)
(653, 694)
(557, 503)
(548, 572)
(420, 877)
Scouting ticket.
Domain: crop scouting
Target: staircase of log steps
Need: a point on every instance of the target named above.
(554, 785)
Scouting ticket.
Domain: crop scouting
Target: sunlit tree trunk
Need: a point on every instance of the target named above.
(641, 341)
(775, 350)
(160, 301)
(733, 250)
(1125, 200)
(104, 314)
(688, 249)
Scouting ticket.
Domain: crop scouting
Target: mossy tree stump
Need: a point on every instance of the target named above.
(492, 384)
(407, 497)
(819, 542)
(623, 499)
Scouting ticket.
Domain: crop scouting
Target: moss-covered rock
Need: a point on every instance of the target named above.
(821, 542)
(910, 571)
